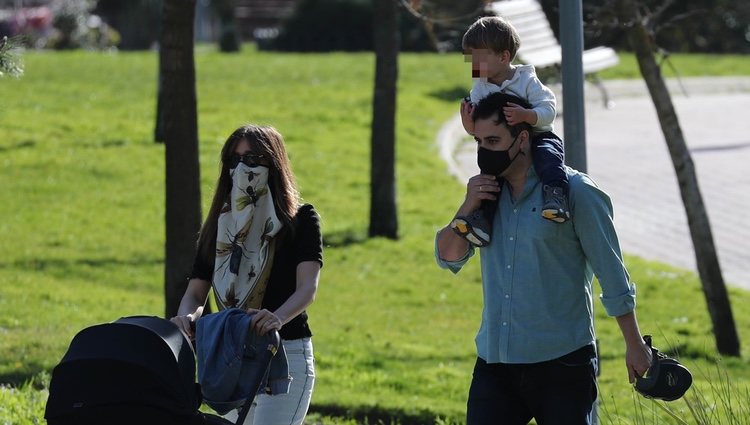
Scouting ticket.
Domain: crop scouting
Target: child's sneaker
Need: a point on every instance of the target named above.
(555, 204)
(475, 228)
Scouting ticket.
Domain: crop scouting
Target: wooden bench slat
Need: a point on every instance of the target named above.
(599, 58)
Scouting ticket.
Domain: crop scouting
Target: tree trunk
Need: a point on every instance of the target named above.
(383, 214)
(719, 308)
(229, 38)
(159, 126)
(180, 125)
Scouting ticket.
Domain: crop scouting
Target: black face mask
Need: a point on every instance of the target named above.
(495, 162)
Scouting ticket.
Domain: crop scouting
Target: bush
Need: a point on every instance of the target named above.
(10, 61)
(75, 27)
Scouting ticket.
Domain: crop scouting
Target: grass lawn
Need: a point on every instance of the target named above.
(694, 65)
(82, 234)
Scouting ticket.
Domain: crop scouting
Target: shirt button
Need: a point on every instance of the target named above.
(508, 266)
(515, 210)
(507, 296)
(505, 323)
(511, 238)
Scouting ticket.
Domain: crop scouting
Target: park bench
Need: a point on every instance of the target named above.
(540, 48)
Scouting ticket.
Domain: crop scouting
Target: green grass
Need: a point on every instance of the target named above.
(81, 202)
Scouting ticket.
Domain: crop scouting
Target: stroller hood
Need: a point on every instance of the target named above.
(134, 360)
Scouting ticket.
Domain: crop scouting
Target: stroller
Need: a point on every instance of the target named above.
(139, 370)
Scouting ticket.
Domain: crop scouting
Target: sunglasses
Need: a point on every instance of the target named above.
(249, 159)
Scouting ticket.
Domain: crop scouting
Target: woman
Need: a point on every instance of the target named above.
(261, 251)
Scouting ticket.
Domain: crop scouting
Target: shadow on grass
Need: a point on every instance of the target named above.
(106, 144)
(454, 94)
(29, 373)
(58, 263)
(377, 414)
(686, 351)
(343, 238)
(20, 145)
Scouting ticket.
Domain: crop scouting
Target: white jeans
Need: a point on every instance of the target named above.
(290, 408)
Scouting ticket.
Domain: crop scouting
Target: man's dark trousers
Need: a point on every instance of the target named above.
(561, 391)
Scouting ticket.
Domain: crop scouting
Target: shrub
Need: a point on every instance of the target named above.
(75, 27)
(10, 61)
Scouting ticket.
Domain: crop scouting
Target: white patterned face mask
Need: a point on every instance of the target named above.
(244, 240)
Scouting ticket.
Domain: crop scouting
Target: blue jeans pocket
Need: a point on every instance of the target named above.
(579, 365)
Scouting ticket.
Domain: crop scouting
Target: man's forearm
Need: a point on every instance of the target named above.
(637, 353)
(629, 327)
(451, 247)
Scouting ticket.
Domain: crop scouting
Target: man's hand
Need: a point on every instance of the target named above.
(466, 109)
(264, 321)
(637, 352)
(481, 186)
(637, 359)
(516, 114)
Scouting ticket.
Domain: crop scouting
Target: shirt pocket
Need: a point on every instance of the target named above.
(540, 228)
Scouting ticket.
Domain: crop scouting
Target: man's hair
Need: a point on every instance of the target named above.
(492, 33)
(494, 104)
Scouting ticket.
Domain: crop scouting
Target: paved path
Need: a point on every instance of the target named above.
(628, 157)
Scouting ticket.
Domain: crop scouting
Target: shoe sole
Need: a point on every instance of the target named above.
(554, 215)
(464, 229)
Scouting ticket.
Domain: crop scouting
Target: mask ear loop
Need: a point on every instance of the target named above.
(519, 149)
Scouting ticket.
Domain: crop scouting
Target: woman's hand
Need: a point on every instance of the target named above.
(185, 323)
(191, 306)
(264, 321)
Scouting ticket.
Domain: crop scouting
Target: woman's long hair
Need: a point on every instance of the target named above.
(267, 141)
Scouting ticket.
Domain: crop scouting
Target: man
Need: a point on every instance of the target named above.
(535, 345)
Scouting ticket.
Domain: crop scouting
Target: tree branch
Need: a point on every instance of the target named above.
(405, 4)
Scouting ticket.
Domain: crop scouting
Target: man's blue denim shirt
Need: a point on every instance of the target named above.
(537, 274)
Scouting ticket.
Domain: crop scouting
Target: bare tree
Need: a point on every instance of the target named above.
(180, 129)
(642, 41)
(229, 38)
(383, 207)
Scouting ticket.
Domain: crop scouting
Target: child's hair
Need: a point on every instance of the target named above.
(492, 33)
